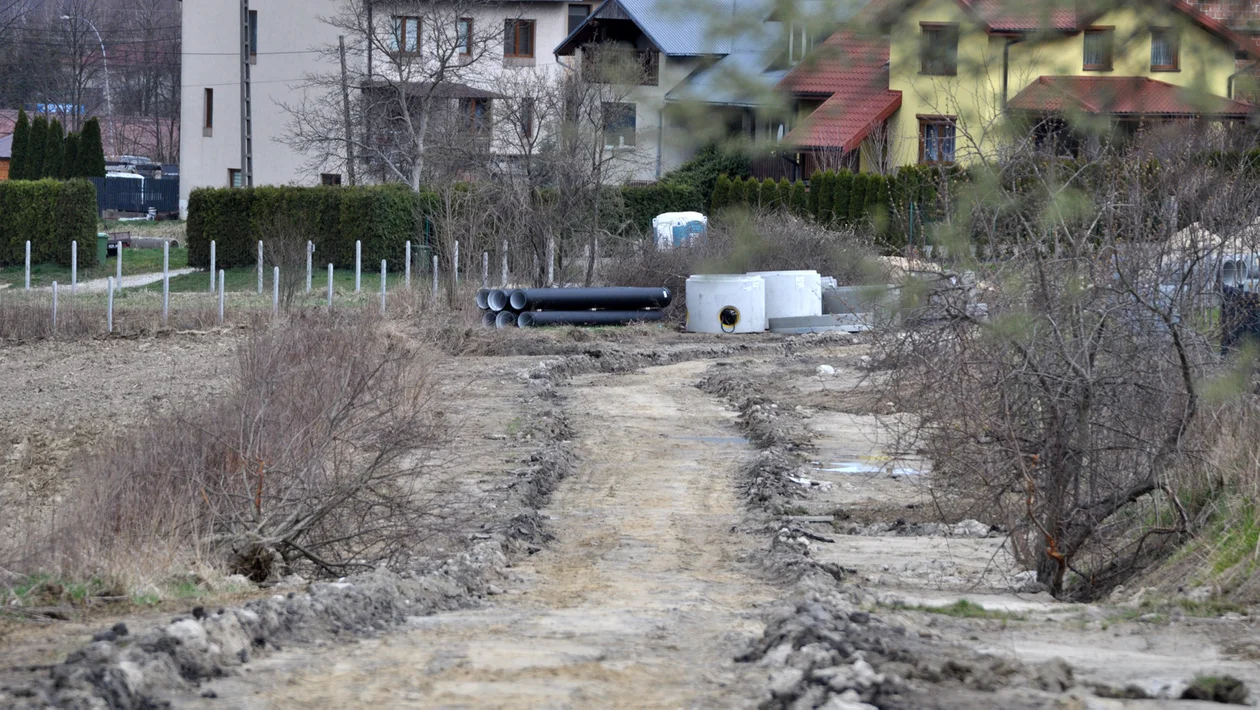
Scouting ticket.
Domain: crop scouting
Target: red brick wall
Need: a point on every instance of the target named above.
(1239, 14)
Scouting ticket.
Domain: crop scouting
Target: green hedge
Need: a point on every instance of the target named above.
(640, 204)
(50, 214)
(383, 217)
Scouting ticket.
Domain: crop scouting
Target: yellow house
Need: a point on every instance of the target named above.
(959, 80)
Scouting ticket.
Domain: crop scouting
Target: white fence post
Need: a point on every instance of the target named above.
(382, 287)
(213, 272)
(504, 277)
(435, 275)
(222, 278)
(166, 282)
(485, 269)
(310, 256)
(551, 263)
(54, 313)
(28, 266)
(275, 291)
(74, 266)
(407, 267)
(358, 265)
(455, 264)
(260, 267)
(330, 288)
(109, 307)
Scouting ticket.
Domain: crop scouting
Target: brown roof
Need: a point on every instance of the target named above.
(845, 120)
(1122, 96)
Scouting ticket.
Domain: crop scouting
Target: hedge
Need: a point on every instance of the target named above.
(50, 214)
(383, 217)
(640, 204)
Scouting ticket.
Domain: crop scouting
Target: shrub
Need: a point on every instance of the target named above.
(18, 156)
(815, 194)
(383, 217)
(857, 198)
(826, 186)
(769, 194)
(721, 194)
(50, 214)
(843, 193)
(642, 203)
(752, 193)
(785, 193)
(701, 173)
(91, 152)
(799, 201)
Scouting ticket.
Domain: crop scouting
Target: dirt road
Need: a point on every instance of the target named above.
(642, 601)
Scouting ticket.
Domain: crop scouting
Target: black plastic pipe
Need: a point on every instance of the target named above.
(497, 299)
(622, 298)
(482, 297)
(505, 319)
(530, 319)
(487, 319)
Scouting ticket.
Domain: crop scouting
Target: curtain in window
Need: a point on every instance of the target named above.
(1097, 48)
(938, 143)
(1162, 52)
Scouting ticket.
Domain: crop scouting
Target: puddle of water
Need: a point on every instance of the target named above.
(726, 440)
(868, 466)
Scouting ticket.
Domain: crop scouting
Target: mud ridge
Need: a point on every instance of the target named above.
(823, 650)
(120, 669)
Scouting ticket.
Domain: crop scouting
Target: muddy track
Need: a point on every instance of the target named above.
(643, 600)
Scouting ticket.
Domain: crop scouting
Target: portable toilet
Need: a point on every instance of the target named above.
(676, 229)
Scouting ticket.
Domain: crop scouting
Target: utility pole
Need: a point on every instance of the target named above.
(345, 108)
(247, 121)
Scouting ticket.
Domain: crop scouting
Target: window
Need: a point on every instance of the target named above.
(577, 15)
(406, 38)
(1098, 48)
(207, 125)
(330, 179)
(253, 34)
(518, 39)
(1163, 49)
(936, 139)
(798, 43)
(464, 36)
(527, 118)
(476, 114)
(234, 177)
(619, 125)
(939, 49)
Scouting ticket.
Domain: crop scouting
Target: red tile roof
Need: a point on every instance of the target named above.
(1121, 96)
(845, 63)
(1006, 16)
(845, 120)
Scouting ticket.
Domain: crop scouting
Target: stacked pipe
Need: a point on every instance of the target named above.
(529, 307)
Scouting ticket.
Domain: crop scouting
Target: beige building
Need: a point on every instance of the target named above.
(294, 66)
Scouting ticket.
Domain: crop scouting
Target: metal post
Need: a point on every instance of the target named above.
(74, 266)
(503, 282)
(407, 267)
(28, 266)
(435, 276)
(222, 278)
(166, 282)
(213, 271)
(275, 291)
(455, 265)
(358, 265)
(382, 287)
(310, 255)
(109, 307)
(551, 263)
(330, 287)
(485, 269)
(54, 313)
(345, 111)
(247, 118)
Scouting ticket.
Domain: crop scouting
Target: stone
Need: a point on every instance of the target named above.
(826, 371)
(970, 528)
(1054, 676)
(189, 632)
(860, 617)
(786, 683)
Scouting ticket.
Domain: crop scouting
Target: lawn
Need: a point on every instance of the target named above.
(245, 279)
(135, 261)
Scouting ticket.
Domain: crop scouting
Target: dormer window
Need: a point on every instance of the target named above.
(798, 43)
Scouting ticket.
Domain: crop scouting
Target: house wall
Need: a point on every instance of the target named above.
(289, 34)
(974, 95)
(662, 144)
(4, 168)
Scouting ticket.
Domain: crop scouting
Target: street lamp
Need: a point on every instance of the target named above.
(109, 99)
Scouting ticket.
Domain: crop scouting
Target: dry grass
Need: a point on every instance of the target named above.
(318, 460)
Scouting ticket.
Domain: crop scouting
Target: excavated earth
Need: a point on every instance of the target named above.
(683, 523)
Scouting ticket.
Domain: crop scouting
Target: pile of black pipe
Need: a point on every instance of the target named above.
(529, 307)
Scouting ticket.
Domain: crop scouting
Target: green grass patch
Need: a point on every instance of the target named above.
(1238, 539)
(135, 261)
(245, 279)
(963, 609)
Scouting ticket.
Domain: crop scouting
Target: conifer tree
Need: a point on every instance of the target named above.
(35, 146)
(18, 156)
(54, 150)
(70, 157)
(91, 158)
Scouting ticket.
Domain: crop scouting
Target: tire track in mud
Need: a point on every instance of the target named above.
(643, 600)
